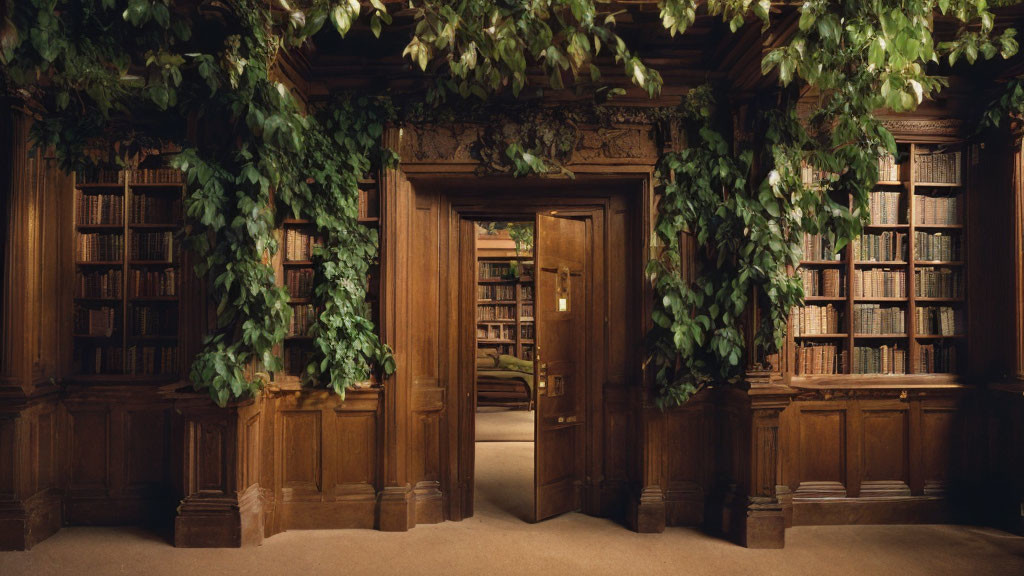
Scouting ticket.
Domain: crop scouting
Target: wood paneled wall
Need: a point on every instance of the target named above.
(743, 460)
(887, 456)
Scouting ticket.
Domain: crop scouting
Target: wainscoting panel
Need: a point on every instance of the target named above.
(872, 456)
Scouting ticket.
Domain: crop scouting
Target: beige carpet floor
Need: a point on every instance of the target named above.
(496, 541)
(495, 424)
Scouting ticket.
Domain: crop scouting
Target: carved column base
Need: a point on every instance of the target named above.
(646, 513)
(25, 524)
(429, 503)
(220, 522)
(396, 509)
(756, 523)
(30, 471)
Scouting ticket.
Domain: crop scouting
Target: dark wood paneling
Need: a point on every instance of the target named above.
(90, 451)
(822, 440)
(938, 426)
(885, 452)
(870, 457)
(301, 439)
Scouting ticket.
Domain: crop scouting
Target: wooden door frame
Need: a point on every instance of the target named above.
(461, 201)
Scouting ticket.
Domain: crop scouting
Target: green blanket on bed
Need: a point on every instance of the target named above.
(506, 375)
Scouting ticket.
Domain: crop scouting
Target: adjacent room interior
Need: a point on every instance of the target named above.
(505, 350)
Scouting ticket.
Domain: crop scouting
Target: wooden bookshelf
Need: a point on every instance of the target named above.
(298, 275)
(126, 297)
(907, 271)
(505, 314)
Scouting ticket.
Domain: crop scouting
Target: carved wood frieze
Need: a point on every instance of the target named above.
(924, 127)
(461, 144)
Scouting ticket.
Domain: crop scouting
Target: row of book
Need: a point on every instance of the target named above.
(99, 359)
(527, 352)
(939, 320)
(99, 247)
(153, 246)
(883, 247)
(496, 312)
(365, 209)
(99, 209)
(883, 359)
(817, 282)
(496, 292)
(812, 320)
(884, 207)
(154, 209)
(153, 320)
(153, 283)
(303, 317)
(299, 245)
(157, 176)
(938, 283)
(101, 321)
(494, 270)
(99, 284)
(937, 358)
(818, 248)
(527, 291)
(879, 283)
(138, 176)
(527, 311)
(937, 247)
(299, 282)
(496, 331)
(940, 168)
(878, 319)
(814, 358)
(812, 176)
(152, 360)
(888, 169)
(93, 175)
(526, 331)
(940, 210)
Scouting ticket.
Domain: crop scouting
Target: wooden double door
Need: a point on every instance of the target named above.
(590, 252)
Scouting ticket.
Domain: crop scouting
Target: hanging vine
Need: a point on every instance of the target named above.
(125, 73)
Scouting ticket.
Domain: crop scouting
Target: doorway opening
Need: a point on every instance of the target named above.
(505, 373)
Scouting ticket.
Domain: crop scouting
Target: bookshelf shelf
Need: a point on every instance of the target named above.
(154, 225)
(153, 298)
(880, 299)
(100, 186)
(297, 272)
(915, 218)
(505, 306)
(152, 263)
(118, 283)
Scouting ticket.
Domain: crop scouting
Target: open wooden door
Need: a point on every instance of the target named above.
(559, 364)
